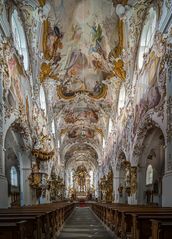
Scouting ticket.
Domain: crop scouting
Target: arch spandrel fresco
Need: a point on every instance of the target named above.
(80, 115)
(81, 132)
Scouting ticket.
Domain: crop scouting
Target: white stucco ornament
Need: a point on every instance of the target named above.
(120, 10)
(159, 44)
(123, 12)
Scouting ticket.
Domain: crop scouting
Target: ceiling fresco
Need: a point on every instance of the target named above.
(77, 44)
(81, 45)
(81, 132)
(81, 115)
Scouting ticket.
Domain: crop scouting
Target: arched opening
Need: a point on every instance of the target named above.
(14, 176)
(19, 38)
(17, 166)
(147, 35)
(149, 175)
(110, 126)
(151, 168)
(12, 169)
(53, 127)
(103, 143)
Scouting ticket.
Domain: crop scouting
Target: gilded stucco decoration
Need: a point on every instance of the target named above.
(43, 146)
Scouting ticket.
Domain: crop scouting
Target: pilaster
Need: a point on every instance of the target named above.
(3, 179)
(167, 179)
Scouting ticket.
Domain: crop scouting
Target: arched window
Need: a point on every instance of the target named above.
(53, 127)
(147, 36)
(19, 38)
(149, 175)
(110, 126)
(91, 178)
(42, 98)
(71, 178)
(103, 143)
(121, 100)
(14, 180)
(58, 143)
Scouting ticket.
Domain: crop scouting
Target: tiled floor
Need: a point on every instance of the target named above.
(83, 224)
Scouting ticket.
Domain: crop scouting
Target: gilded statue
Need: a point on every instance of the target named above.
(133, 180)
(119, 69)
(109, 187)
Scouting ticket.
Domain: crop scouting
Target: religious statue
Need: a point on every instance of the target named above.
(81, 180)
(133, 180)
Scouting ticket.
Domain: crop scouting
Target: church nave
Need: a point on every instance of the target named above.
(84, 224)
(85, 119)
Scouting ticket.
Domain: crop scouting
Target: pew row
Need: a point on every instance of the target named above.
(34, 222)
(136, 221)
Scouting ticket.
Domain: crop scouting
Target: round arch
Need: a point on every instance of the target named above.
(147, 35)
(19, 37)
(151, 167)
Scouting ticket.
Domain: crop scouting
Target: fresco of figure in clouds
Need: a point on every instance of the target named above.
(82, 78)
(14, 76)
(90, 116)
(76, 33)
(81, 133)
(98, 40)
(53, 42)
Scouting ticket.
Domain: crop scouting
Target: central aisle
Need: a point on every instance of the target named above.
(84, 224)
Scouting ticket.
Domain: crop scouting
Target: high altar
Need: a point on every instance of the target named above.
(81, 183)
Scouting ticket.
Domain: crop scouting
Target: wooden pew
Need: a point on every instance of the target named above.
(31, 225)
(131, 221)
(141, 223)
(42, 219)
(46, 220)
(14, 230)
(161, 229)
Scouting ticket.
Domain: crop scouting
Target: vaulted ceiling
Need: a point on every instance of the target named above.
(80, 63)
(82, 43)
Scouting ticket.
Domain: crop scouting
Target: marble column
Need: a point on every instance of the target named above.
(25, 189)
(116, 185)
